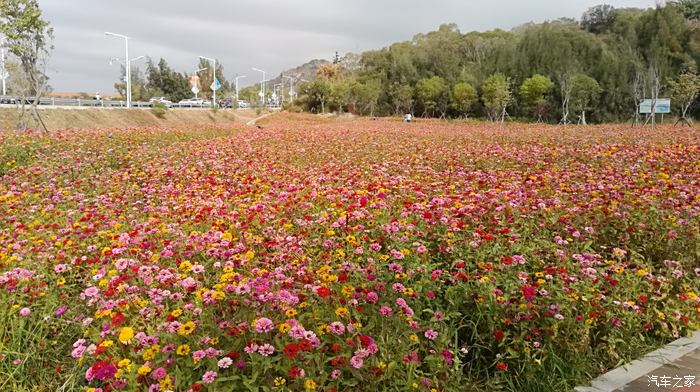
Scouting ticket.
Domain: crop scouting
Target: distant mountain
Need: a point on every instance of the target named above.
(303, 72)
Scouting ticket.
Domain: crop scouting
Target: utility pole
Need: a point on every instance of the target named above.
(128, 66)
(292, 93)
(238, 77)
(3, 70)
(262, 86)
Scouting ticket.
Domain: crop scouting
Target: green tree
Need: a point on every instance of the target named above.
(496, 96)
(318, 93)
(584, 92)
(402, 97)
(464, 96)
(430, 93)
(205, 80)
(29, 38)
(533, 94)
(684, 91)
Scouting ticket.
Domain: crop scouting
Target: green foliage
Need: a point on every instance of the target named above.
(533, 93)
(684, 91)
(159, 109)
(496, 96)
(430, 93)
(464, 96)
(318, 92)
(584, 92)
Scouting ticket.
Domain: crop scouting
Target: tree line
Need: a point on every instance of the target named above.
(597, 68)
(160, 80)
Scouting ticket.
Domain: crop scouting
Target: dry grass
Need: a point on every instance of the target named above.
(56, 119)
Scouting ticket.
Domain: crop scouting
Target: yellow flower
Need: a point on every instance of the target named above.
(106, 343)
(348, 290)
(187, 328)
(279, 381)
(183, 349)
(126, 334)
(413, 338)
(249, 255)
(176, 313)
(341, 312)
(284, 327)
(290, 313)
(310, 385)
(124, 363)
(143, 370)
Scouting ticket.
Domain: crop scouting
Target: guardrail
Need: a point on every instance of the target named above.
(95, 103)
(101, 103)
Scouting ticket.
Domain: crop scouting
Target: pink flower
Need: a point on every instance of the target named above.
(209, 377)
(266, 350)
(159, 373)
(337, 328)
(356, 362)
(431, 334)
(264, 325)
(251, 348)
(24, 312)
(225, 362)
(385, 310)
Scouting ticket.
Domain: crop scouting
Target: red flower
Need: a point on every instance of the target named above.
(291, 350)
(118, 319)
(502, 366)
(323, 292)
(499, 335)
(295, 372)
(529, 292)
(305, 345)
(196, 387)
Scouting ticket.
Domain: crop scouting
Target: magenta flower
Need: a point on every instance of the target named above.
(24, 312)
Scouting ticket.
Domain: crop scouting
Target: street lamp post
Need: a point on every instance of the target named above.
(3, 70)
(262, 85)
(292, 93)
(213, 79)
(128, 66)
(238, 77)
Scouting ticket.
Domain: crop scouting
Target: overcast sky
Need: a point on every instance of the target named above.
(273, 35)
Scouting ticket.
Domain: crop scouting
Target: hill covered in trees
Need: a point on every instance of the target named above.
(597, 68)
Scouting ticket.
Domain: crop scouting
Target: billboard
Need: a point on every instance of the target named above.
(663, 106)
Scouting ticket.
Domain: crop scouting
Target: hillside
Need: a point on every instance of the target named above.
(305, 71)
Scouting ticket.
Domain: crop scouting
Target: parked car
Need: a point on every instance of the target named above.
(162, 100)
(225, 103)
(193, 103)
(243, 104)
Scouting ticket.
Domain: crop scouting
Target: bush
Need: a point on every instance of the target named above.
(159, 109)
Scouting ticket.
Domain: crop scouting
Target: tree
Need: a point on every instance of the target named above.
(584, 91)
(402, 96)
(463, 98)
(163, 80)
(684, 91)
(364, 96)
(496, 96)
(29, 38)
(599, 19)
(430, 93)
(533, 93)
(205, 80)
(318, 92)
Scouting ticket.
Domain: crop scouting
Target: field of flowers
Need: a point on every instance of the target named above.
(346, 255)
